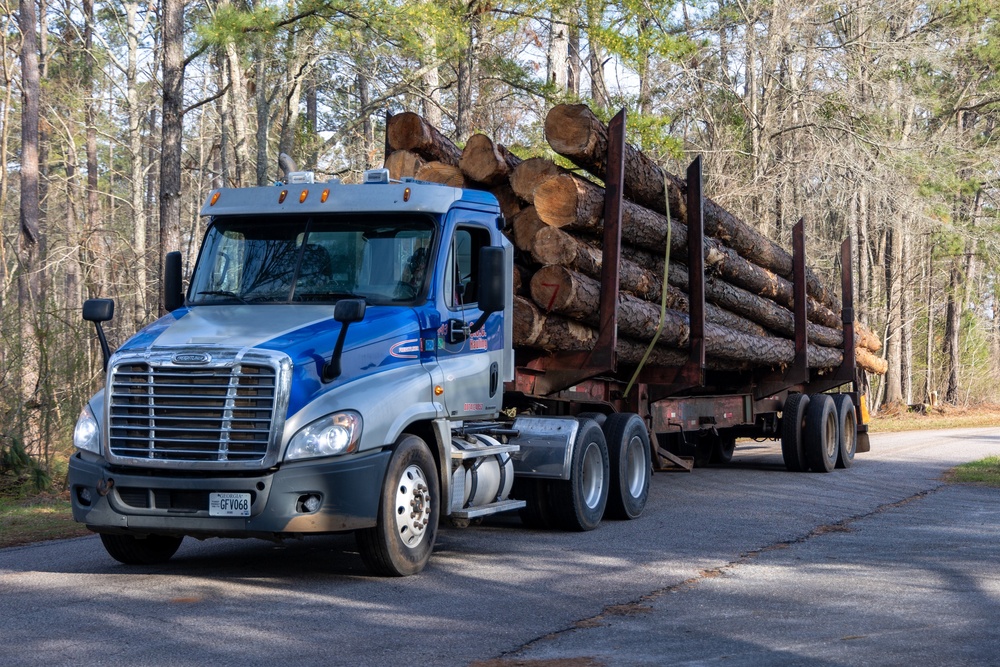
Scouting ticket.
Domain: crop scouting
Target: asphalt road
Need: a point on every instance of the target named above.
(883, 564)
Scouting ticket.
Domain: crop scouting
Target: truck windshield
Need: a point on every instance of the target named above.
(261, 259)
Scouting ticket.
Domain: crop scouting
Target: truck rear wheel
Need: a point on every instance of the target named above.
(535, 493)
(793, 417)
(630, 465)
(847, 422)
(578, 503)
(141, 550)
(402, 540)
(821, 437)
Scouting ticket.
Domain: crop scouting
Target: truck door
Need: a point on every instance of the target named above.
(471, 362)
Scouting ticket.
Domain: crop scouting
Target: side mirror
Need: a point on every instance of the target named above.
(349, 310)
(346, 311)
(492, 279)
(173, 292)
(97, 311)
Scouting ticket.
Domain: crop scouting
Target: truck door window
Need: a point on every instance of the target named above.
(463, 265)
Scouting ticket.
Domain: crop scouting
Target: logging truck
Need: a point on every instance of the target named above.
(343, 359)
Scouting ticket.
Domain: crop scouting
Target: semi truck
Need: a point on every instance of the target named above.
(341, 360)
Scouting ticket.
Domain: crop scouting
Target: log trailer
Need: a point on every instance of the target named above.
(342, 361)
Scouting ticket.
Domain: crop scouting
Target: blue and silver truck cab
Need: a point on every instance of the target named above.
(336, 363)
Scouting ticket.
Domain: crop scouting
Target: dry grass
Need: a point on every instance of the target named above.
(892, 419)
(41, 517)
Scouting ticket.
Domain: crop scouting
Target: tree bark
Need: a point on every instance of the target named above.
(408, 131)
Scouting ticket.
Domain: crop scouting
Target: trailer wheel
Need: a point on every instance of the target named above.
(536, 513)
(401, 542)
(578, 503)
(793, 417)
(145, 550)
(630, 464)
(723, 448)
(821, 438)
(847, 423)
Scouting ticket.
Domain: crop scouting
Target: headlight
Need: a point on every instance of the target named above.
(87, 434)
(332, 435)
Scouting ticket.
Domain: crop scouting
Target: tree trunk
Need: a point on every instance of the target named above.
(574, 132)
(172, 12)
(402, 164)
(408, 131)
(530, 173)
(953, 322)
(577, 297)
(439, 172)
(486, 162)
(578, 204)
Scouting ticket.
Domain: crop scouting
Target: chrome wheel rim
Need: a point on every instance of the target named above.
(593, 475)
(412, 509)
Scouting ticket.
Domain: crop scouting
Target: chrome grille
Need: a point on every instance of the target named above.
(172, 413)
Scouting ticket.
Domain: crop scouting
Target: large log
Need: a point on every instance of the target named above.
(510, 203)
(408, 131)
(554, 333)
(530, 173)
(402, 164)
(553, 246)
(576, 296)
(439, 172)
(573, 131)
(484, 161)
(574, 203)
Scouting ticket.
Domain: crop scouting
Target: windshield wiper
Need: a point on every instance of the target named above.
(222, 292)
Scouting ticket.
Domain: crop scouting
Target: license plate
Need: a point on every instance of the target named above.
(229, 504)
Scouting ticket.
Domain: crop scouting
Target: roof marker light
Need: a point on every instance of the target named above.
(281, 197)
(302, 197)
(406, 194)
(215, 198)
(323, 197)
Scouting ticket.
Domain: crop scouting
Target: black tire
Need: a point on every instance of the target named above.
(402, 540)
(847, 430)
(578, 503)
(536, 513)
(598, 417)
(141, 550)
(820, 439)
(793, 417)
(723, 448)
(630, 464)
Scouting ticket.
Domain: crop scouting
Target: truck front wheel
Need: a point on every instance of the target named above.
(401, 542)
(141, 550)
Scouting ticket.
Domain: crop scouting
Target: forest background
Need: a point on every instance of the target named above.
(870, 118)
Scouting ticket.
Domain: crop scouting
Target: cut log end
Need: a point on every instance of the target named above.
(564, 131)
(530, 174)
(439, 172)
(556, 201)
(402, 164)
(407, 131)
(482, 161)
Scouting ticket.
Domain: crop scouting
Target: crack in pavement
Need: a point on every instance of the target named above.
(641, 604)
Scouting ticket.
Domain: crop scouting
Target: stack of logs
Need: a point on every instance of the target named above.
(555, 221)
